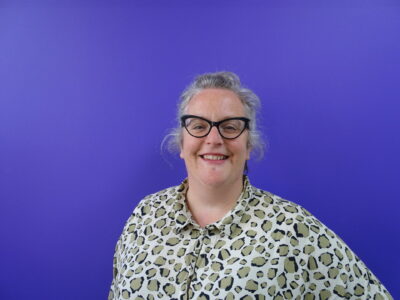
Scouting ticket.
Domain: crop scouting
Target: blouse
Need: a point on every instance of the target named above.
(265, 248)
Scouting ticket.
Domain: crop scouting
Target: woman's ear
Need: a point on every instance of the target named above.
(181, 147)
(248, 152)
(181, 155)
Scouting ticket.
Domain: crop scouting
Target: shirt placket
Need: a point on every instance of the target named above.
(192, 262)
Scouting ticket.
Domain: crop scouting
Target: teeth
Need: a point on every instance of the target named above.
(214, 157)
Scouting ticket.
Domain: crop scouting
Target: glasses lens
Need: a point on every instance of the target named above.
(197, 127)
(232, 128)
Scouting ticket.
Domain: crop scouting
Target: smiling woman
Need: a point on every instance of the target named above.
(216, 236)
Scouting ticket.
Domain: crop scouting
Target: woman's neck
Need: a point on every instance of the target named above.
(209, 204)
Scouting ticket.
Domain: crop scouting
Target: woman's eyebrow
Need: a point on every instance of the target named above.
(224, 118)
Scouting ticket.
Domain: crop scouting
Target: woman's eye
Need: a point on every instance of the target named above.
(229, 128)
(197, 126)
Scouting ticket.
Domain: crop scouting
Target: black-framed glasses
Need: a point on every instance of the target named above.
(199, 127)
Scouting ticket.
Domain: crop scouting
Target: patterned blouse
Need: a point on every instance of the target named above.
(265, 248)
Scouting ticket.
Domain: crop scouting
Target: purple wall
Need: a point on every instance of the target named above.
(88, 91)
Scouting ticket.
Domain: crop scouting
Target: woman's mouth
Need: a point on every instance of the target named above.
(214, 157)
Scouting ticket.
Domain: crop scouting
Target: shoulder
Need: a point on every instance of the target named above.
(290, 223)
(163, 197)
(155, 205)
(294, 221)
(276, 205)
(306, 238)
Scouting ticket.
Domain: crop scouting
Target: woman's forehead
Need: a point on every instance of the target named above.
(218, 102)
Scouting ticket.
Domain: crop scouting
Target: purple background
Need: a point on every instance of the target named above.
(88, 91)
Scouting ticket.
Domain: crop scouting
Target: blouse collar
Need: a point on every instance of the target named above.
(226, 226)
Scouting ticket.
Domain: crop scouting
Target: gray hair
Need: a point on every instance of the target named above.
(220, 80)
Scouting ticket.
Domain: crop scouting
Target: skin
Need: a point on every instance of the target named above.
(214, 185)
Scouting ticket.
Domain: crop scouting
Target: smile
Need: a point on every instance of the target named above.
(214, 157)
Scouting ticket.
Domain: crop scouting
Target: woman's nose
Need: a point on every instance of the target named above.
(214, 136)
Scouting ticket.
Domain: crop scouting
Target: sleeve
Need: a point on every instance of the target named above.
(356, 281)
(334, 271)
(113, 293)
(127, 237)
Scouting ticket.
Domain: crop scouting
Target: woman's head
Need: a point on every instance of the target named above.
(225, 81)
(215, 140)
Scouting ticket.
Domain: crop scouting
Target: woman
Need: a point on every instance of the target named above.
(216, 236)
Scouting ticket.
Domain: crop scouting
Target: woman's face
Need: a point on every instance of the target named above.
(203, 155)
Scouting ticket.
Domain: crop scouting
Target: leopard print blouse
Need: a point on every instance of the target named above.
(265, 248)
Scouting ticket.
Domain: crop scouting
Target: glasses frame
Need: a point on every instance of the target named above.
(216, 124)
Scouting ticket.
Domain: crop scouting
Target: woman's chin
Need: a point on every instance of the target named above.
(214, 179)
